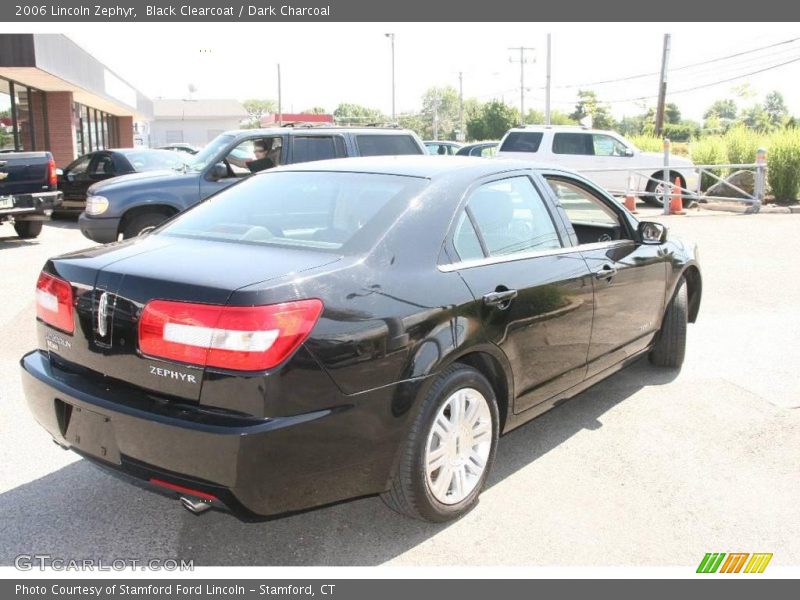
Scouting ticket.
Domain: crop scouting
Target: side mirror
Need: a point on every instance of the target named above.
(59, 172)
(218, 171)
(628, 153)
(652, 233)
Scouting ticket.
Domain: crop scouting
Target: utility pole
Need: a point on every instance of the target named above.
(547, 93)
(662, 85)
(461, 135)
(280, 110)
(391, 36)
(522, 61)
(436, 117)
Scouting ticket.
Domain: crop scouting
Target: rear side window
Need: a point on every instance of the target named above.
(522, 141)
(311, 148)
(386, 145)
(511, 217)
(325, 211)
(573, 143)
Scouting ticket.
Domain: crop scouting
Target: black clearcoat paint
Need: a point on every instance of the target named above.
(327, 424)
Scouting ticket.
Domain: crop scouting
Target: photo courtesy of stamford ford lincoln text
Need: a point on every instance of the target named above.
(353, 300)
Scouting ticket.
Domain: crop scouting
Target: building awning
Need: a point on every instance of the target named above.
(54, 63)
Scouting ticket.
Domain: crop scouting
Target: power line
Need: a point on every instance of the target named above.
(681, 68)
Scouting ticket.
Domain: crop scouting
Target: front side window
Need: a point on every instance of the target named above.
(325, 211)
(511, 217)
(580, 205)
(79, 166)
(103, 165)
(605, 145)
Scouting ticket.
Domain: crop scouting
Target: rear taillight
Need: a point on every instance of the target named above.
(241, 338)
(54, 302)
(52, 177)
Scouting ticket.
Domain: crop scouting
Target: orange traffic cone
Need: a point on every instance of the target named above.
(676, 202)
(630, 202)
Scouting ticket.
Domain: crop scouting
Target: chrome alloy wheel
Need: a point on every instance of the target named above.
(458, 446)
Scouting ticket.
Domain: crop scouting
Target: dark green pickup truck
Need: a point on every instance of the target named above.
(28, 192)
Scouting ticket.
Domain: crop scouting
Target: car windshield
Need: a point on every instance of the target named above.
(199, 161)
(327, 211)
(154, 160)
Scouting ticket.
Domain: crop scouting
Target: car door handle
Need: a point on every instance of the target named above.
(499, 298)
(607, 272)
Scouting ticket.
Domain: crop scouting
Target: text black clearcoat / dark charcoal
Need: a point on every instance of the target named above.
(329, 422)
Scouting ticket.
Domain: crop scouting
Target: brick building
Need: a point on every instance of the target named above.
(58, 97)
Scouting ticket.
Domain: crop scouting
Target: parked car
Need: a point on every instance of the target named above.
(483, 149)
(349, 327)
(438, 147)
(28, 192)
(131, 204)
(587, 150)
(100, 165)
(181, 147)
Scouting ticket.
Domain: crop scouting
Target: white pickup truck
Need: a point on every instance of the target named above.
(603, 156)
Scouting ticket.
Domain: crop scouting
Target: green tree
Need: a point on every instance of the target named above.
(257, 108)
(441, 105)
(776, 110)
(589, 106)
(355, 114)
(723, 109)
(672, 114)
(756, 117)
(494, 119)
(316, 110)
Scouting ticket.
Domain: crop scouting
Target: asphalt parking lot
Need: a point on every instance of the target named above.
(650, 467)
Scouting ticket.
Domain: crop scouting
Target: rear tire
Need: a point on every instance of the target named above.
(450, 449)
(670, 347)
(141, 222)
(28, 230)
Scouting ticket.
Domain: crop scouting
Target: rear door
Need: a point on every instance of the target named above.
(533, 292)
(629, 278)
(310, 147)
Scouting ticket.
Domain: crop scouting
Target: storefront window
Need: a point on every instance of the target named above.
(6, 121)
(22, 104)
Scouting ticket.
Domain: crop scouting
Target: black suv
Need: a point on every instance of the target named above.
(130, 204)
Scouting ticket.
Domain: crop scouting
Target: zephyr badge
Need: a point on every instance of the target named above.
(102, 315)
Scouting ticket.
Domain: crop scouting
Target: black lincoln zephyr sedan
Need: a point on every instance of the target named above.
(350, 327)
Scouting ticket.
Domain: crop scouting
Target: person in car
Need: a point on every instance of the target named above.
(262, 161)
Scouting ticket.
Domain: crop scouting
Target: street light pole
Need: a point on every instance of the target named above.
(391, 37)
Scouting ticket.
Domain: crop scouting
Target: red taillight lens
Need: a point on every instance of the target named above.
(52, 178)
(54, 303)
(241, 338)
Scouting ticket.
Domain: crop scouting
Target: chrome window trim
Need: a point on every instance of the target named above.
(492, 260)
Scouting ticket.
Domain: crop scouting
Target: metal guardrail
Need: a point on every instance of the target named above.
(668, 188)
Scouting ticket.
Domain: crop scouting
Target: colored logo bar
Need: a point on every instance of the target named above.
(733, 562)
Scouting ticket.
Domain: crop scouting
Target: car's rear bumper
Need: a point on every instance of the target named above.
(32, 207)
(253, 466)
(103, 231)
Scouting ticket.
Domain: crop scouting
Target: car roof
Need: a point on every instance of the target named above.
(572, 128)
(305, 129)
(428, 167)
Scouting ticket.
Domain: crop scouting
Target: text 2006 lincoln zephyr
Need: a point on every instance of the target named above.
(351, 327)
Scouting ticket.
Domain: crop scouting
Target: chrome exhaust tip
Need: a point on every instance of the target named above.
(195, 506)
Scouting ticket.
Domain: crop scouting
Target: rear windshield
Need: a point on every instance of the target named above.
(522, 141)
(336, 212)
(386, 145)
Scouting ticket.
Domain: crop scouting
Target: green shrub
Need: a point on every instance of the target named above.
(783, 164)
(647, 143)
(741, 145)
(710, 150)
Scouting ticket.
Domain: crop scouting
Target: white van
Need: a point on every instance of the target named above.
(584, 150)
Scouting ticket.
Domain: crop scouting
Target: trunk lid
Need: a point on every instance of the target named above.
(112, 284)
